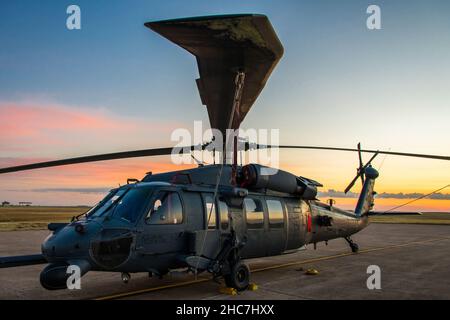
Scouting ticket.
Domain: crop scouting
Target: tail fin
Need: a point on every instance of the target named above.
(365, 201)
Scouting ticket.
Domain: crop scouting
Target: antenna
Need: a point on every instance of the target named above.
(199, 163)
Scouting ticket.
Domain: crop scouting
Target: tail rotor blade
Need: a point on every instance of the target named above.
(371, 159)
(360, 173)
(350, 186)
(360, 163)
(360, 155)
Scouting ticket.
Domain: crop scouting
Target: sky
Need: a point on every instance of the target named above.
(115, 85)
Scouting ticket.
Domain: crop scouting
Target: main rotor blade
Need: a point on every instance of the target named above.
(93, 158)
(18, 261)
(405, 154)
(167, 151)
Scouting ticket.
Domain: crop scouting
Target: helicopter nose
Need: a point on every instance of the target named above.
(70, 242)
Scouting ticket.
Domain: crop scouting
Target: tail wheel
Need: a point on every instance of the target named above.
(354, 247)
(239, 276)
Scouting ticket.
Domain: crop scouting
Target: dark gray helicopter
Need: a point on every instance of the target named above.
(212, 217)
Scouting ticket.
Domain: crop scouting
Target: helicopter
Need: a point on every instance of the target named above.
(213, 217)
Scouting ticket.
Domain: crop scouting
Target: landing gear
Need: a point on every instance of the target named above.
(239, 276)
(354, 247)
(229, 265)
(352, 244)
(125, 277)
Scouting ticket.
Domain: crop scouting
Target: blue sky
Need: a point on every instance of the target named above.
(338, 82)
(115, 62)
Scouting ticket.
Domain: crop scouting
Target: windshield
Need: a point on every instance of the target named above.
(129, 207)
(99, 209)
(125, 204)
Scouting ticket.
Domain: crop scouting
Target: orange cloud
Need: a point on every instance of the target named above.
(39, 123)
(27, 119)
(25, 185)
(36, 132)
(95, 174)
(48, 129)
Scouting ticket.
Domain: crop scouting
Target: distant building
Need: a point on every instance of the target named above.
(25, 203)
(5, 203)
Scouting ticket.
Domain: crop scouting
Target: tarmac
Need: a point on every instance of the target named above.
(413, 260)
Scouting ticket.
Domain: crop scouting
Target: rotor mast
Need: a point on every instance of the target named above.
(233, 134)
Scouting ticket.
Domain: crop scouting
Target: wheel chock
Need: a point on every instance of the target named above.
(311, 272)
(228, 291)
(252, 287)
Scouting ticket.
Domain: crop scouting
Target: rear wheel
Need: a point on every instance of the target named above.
(354, 247)
(239, 276)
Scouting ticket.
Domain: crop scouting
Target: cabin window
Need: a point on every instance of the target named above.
(166, 209)
(254, 213)
(276, 217)
(210, 211)
(224, 219)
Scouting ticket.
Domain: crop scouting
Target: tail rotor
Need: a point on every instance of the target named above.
(360, 171)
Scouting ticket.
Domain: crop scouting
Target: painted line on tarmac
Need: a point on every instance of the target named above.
(349, 254)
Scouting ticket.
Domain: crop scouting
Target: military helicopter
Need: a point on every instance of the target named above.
(213, 217)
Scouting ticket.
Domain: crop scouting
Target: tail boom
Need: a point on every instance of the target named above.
(366, 198)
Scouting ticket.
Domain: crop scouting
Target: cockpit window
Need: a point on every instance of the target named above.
(166, 209)
(131, 204)
(105, 204)
(125, 204)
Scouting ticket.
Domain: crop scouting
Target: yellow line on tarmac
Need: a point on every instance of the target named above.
(132, 293)
(349, 254)
(186, 283)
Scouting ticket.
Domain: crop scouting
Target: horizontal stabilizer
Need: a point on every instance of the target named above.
(394, 213)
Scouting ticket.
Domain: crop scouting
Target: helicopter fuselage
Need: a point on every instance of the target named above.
(157, 226)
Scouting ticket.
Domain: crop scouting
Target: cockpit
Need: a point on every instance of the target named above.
(127, 204)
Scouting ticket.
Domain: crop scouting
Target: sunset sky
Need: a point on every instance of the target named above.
(115, 85)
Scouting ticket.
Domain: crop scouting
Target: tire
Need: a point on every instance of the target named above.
(239, 277)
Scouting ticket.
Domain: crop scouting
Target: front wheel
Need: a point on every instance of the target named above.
(239, 276)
